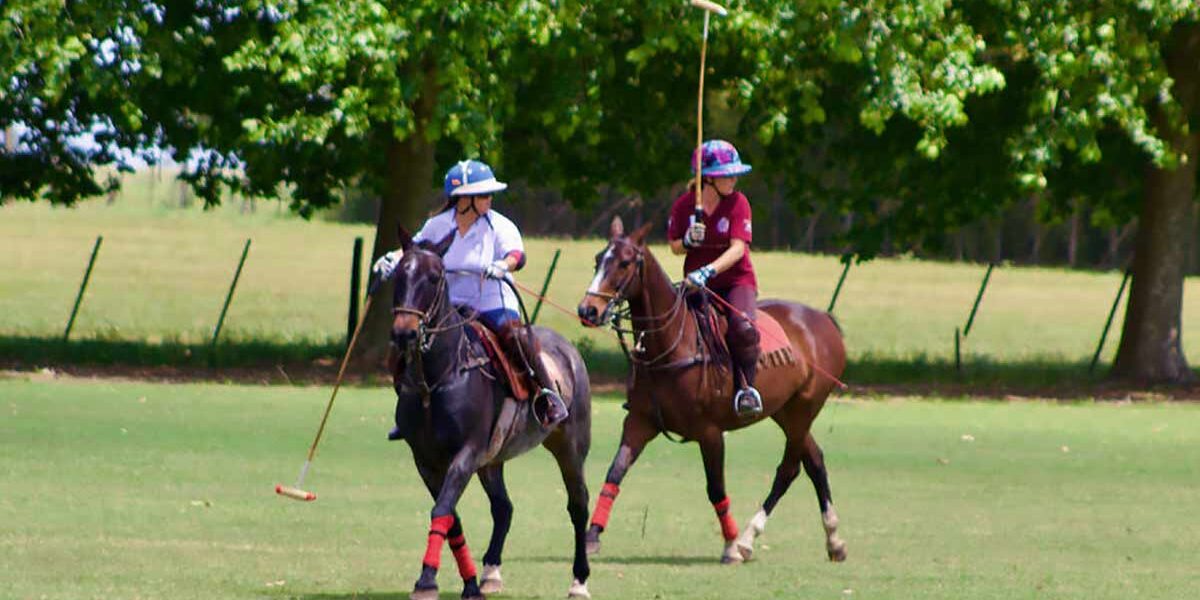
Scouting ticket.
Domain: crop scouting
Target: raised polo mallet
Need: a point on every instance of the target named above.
(708, 8)
(297, 492)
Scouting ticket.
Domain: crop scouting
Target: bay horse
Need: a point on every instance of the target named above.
(452, 410)
(674, 387)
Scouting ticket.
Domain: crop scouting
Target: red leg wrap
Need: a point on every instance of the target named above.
(729, 527)
(604, 504)
(462, 555)
(437, 534)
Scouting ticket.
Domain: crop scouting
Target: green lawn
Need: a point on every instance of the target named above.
(132, 490)
(163, 273)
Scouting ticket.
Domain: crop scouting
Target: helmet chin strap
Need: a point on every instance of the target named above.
(470, 207)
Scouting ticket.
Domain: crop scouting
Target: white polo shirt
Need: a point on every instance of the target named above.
(492, 237)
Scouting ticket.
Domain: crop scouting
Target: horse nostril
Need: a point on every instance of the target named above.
(587, 313)
(401, 336)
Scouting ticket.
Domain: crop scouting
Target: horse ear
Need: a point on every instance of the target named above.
(639, 236)
(617, 229)
(405, 237)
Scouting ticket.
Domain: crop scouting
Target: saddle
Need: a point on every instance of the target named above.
(516, 380)
(713, 320)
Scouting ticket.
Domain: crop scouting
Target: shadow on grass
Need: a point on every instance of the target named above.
(316, 362)
(601, 559)
(443, 594)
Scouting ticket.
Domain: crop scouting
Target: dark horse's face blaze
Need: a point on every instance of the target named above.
(618, 274)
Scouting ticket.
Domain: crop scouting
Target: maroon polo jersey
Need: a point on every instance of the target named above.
(730, 220)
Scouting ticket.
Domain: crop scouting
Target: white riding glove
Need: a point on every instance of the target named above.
(695, 235)
(386, 265)
(497, 270)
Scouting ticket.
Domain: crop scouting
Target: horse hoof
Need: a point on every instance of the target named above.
(732, 555)
(746, 550)
(837, 553)
(424, 594)
(578, 591)
(492, 582)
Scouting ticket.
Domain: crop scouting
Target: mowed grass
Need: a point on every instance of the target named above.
(132, 490)
(163, 273)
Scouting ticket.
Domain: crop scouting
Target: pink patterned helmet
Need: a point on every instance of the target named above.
(718, 158)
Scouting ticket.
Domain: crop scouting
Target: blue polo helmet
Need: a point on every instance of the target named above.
(471, 178)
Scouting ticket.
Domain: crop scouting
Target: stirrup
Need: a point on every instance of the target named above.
(553, 400)
(747, 402)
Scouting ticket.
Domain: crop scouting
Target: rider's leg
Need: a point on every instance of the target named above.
(522, 346)
(742, 337)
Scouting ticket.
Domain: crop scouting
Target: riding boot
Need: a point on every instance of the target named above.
(524, 350)
(743, 348)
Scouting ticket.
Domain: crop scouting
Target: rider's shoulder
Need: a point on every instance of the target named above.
(499, 220)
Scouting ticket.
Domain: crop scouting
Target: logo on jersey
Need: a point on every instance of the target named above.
(723, 225)
(747, 225)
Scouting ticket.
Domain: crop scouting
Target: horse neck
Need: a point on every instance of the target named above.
(650, 308)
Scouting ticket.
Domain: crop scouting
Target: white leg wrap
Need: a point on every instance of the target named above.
(834, 544)
(578, 590)
(491, 582)
(745, 541)
(731, 555)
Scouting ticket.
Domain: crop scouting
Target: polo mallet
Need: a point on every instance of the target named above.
(297, 492)
(708, 8)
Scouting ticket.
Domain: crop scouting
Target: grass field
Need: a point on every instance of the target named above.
(131, 490)
(163, 273)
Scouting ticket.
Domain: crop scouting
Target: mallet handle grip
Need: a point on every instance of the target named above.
(710, 7)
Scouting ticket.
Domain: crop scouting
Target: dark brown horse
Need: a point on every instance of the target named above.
(675, 386)
(452, 410)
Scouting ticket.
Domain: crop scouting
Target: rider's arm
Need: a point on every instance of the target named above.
(732, 254)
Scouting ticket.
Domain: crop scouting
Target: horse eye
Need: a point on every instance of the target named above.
(625, 263)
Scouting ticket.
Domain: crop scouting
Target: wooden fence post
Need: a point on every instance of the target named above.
(1108, 323)
(545, 286)
(838, 290)
(355, 284)
(228, 298)
(87, 275)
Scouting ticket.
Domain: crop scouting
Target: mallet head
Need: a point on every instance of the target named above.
(295, 493)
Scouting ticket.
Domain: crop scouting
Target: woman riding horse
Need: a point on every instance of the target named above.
(459, 422)
(718, 256)
(485, 247)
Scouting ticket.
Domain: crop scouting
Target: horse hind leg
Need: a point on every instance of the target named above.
(570, 453)
(814, 466)
(785, 474)
(492, 479)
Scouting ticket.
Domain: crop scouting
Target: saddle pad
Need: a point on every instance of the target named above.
(504, 367)
(774, 346)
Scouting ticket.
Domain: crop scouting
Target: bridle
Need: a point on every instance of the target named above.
(425, 333)
(614, 312)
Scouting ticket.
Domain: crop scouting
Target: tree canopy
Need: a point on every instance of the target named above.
(921, 115)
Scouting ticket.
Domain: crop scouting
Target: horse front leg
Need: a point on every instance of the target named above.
(635, 434)
(444, 524)
(712, 449)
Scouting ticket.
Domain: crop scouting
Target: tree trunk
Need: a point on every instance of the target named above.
(1151, 349)
(405, 201)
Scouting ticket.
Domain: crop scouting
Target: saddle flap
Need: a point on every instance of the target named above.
(775, 350)
(504, 368)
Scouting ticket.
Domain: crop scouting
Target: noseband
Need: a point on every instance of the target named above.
(425, 333)
(618, 296)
